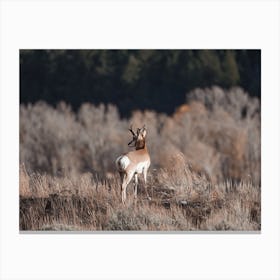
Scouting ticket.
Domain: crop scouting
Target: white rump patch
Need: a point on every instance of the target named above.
(122, 162)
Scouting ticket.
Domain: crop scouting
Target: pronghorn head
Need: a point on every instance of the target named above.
(138, 139)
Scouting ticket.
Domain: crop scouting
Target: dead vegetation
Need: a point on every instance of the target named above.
(205, 172)
(181, 200)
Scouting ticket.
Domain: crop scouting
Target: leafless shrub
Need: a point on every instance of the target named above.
(235, 101)
(231, 128)
(218, 132)
(50, 138)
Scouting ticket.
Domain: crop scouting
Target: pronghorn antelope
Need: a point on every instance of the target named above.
(134, 162)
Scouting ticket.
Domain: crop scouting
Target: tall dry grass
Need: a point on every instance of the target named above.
(181, 200)
(205, 171)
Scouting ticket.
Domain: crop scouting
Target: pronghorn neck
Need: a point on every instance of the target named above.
(140, 145)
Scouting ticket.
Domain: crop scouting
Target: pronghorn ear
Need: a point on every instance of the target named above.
(144, 131)
(143, 128)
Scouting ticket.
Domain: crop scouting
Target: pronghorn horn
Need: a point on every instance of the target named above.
(130, 129)
(143, 128)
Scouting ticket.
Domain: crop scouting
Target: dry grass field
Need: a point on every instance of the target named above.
(204, 174)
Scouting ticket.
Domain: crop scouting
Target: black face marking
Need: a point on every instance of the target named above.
(138, 138)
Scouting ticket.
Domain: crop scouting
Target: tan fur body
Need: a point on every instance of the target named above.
(134, 163)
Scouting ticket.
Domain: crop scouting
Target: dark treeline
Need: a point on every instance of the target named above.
(133, 79)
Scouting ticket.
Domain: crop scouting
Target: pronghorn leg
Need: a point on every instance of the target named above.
(135, 185)
(123, 193)
(125, 182)
(145, 182)
(122, 175)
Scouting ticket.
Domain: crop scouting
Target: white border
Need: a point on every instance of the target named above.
(153, 24)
